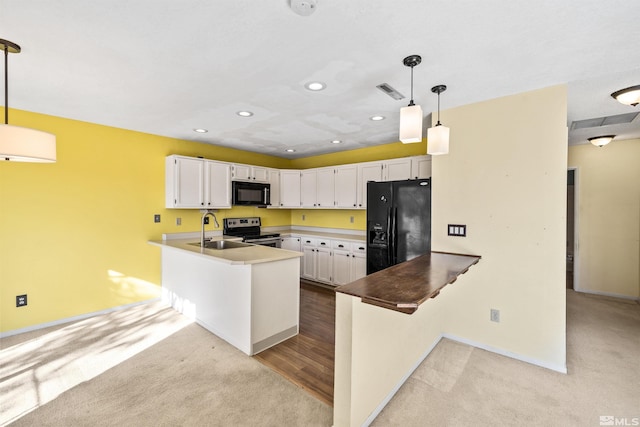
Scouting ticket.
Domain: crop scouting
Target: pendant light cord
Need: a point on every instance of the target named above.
(6, 85)
(411, 102)
(438, 124)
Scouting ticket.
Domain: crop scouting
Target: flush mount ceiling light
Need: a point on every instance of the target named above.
(20, 144)
(628, 96)
(438, 136)
(201, 130)
(315, 86)
(411, 115)
(336, 141)
(244, 113)
(303, 7)
(376, 118)
(290, 150)
(601, 141)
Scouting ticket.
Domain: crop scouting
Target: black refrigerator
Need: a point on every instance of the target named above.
(398, 222)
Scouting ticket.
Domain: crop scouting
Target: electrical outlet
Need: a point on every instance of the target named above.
(495, 315)
(178, 221)
(303, 217)
(21, 300)
(351, 219)
(206, 220)
(156, 218)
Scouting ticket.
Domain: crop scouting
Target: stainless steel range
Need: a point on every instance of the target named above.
(249, 230)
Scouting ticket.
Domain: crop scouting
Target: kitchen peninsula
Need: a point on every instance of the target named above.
(386, 324)
(246, 295)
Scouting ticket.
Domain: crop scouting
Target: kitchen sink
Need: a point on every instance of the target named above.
(222, 244)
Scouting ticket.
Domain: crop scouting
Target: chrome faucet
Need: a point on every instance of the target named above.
(215, 221)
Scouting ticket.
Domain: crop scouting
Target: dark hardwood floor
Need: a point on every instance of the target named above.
(307, 359)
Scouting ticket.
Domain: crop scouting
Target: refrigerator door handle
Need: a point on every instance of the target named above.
(389, 240)
(393, 236)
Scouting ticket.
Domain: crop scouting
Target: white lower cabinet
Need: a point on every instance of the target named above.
(349, 262)
(335, 262)
(317, 262)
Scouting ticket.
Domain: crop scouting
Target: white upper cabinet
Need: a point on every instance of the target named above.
(346, 187)
(421, 167)
(289, 188)
(196, 183)
(325, 191)
(274, 180)
(184, 182)
(217, 187)
(371, 171)
(396, 169)
(242, 172)
(308, 191)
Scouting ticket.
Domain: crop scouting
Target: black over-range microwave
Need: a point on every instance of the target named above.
(250, 193)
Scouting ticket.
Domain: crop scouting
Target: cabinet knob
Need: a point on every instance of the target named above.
(354, 204)
(201, 204)
(360, 205)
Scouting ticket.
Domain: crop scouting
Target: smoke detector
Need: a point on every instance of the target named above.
(304, 7)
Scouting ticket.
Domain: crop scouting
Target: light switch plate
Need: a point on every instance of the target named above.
(459, 230)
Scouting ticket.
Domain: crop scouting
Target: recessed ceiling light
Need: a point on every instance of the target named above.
(336, 141)
(245, 113)
(315, 86)
(290, 150)
(376, 118)
(201, 130)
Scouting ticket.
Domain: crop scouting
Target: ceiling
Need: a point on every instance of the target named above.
(167, 67)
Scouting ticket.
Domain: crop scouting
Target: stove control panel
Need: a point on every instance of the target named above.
(241, 222)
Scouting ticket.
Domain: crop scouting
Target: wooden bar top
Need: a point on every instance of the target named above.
(403, 287)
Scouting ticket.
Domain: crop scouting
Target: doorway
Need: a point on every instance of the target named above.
(571, 226)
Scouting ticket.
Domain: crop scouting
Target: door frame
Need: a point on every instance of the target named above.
(576, 227)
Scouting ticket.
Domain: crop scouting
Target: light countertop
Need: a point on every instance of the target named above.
(254, 254)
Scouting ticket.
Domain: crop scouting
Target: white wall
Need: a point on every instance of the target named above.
(608, 204)
(505, 178)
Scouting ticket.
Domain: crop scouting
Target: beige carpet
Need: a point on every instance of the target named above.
(458, 385)
(149, 366)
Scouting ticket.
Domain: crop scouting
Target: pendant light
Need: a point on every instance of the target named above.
(601, 141)
(438, 136)
(411, 115)
(17, 143)
(628, 96)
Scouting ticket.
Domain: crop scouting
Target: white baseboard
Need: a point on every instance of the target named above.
(558, 368)
(73, 319)
(608, 294)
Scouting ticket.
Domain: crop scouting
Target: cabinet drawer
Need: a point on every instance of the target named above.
(308, 241)
(359, 247)
(341, 245)
(323, 243)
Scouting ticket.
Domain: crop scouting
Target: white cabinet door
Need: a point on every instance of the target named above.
(397, 169)
(274, 180)
(290, 188)
(358, 266)
(308, 192)
(260, 174)
(217, 184)
(325, 179)
(324, 264)
(341, 267)
(421, 167)
(309, 262)
(346, 187)
(290, 243)
(367, 172)
(184, 182)
(241, 172)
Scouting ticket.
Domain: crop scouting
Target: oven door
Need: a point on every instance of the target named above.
(273, 242)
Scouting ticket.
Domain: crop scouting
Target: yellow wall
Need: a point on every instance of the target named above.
(507, 169)
(608, 225)
(74, 233)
